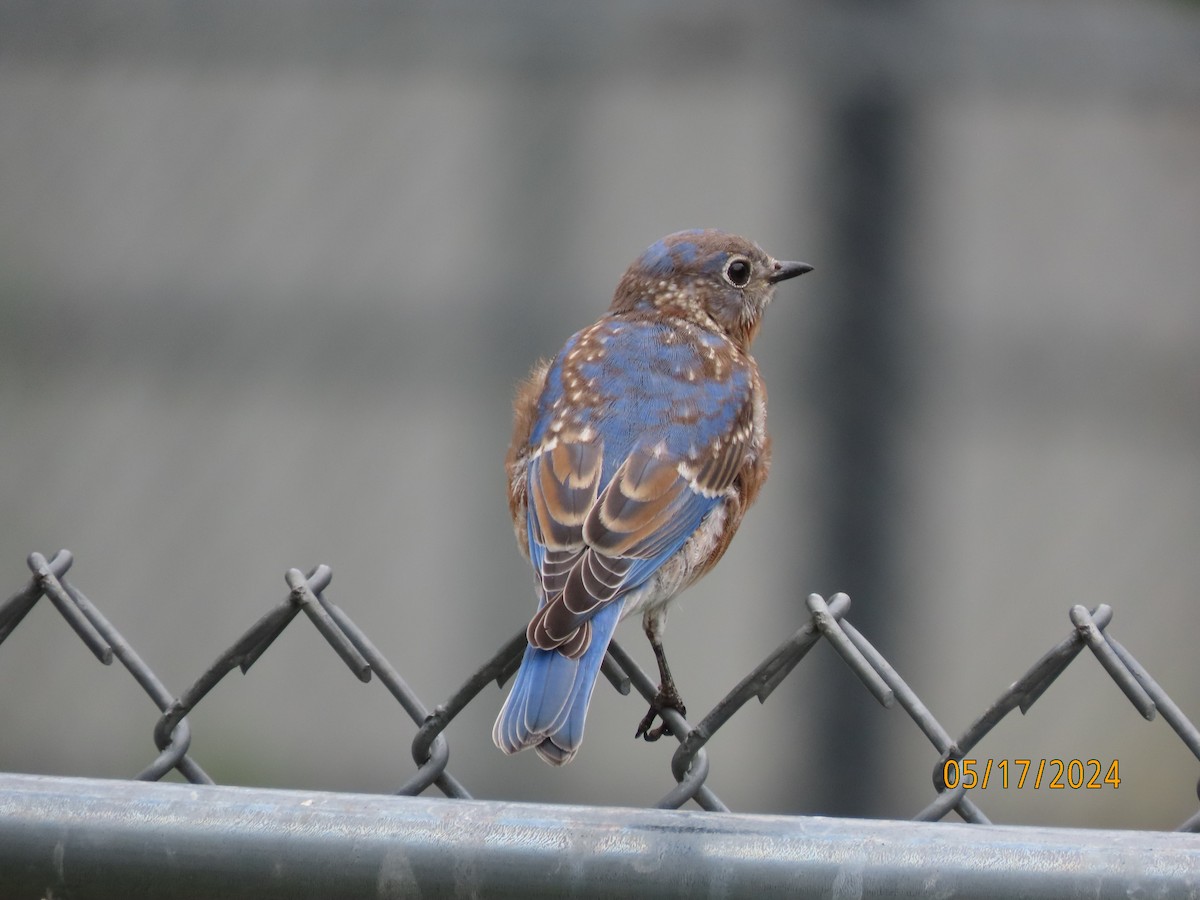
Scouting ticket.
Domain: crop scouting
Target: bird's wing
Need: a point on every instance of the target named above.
(592, 542)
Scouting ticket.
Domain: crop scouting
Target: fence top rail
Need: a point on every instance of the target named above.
(83, 837)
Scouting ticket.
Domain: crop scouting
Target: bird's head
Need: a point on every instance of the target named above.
(712, 278)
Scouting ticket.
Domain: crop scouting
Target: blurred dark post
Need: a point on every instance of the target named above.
(857, 378)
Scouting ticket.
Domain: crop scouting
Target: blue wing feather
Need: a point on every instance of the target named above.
(639, 391)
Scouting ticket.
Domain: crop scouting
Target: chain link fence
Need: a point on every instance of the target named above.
(693, 776)
(691, 779)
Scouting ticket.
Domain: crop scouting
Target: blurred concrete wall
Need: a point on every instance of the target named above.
(269, 272)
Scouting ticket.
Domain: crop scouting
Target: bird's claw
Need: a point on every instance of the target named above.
(666, 698)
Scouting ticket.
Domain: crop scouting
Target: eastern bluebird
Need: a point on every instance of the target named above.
(635, 453)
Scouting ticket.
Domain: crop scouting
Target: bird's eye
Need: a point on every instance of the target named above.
(737, 272)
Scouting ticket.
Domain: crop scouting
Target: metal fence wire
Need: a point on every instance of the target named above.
(691, 769)
(690, 766)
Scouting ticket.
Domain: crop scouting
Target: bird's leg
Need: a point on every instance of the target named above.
(667, 697)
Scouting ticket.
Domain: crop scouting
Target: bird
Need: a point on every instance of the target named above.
(635, 453)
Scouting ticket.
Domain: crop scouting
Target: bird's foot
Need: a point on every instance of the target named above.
(666, 698)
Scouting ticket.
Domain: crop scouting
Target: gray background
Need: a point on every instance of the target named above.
(269, 272)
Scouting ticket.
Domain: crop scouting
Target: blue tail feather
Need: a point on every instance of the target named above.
(549, 700)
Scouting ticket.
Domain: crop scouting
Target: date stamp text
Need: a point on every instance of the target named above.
(1053, 774)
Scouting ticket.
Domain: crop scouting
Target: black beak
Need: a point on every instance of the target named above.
(785, 270)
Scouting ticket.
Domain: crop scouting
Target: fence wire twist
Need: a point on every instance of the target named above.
(690, 765)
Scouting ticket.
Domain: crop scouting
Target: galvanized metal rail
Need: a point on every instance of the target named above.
(90, 839)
